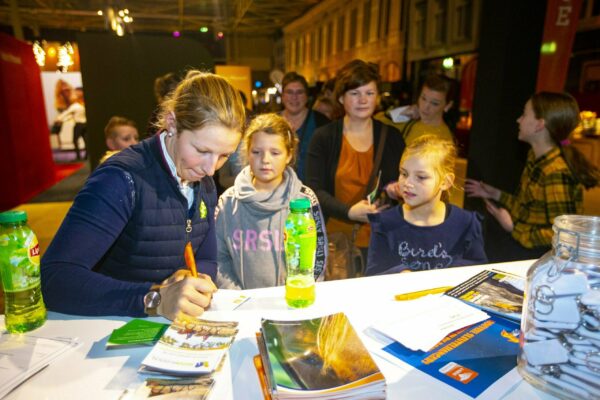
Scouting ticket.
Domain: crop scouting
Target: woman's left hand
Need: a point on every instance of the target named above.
(501, 214)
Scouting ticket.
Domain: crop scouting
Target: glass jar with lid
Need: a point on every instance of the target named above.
(560, 342)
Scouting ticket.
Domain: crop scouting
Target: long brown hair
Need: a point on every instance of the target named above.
(560, 113)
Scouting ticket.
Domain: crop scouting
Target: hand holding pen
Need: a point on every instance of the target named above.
(186, 291)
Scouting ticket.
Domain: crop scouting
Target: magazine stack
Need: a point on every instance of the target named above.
(320, 358)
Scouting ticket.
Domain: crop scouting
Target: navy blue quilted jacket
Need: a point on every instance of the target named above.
(126, 230)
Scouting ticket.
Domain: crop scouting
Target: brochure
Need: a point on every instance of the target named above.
(471, 359)
(190, 348)
(498, 292)
(320, 358)
(137, 332)
(173, 389)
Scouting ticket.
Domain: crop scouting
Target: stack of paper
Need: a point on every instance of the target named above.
(25, 355)
(420, 324)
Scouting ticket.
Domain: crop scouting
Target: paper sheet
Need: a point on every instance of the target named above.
(420, 324)
(22, 356)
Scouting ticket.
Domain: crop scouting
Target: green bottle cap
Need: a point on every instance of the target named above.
(301, 204)
(13, 216)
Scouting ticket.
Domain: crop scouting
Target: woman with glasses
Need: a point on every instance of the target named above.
(302, 119)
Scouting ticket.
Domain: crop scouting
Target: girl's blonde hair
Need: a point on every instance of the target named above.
(272, 124)
(441, 152)
(202, 99)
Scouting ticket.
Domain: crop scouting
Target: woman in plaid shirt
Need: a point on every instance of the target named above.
(553, 179)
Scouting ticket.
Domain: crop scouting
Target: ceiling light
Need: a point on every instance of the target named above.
(39, 53)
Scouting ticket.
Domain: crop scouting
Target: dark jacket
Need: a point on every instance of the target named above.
(125, 231)
(324, 155)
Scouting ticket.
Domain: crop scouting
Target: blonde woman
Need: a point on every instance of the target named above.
(120, 250)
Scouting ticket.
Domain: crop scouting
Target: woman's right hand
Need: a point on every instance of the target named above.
(475, 188)
(411, 111)
(185, 294)
(358, 212)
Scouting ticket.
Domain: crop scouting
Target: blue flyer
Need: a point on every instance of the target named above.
(470, 359)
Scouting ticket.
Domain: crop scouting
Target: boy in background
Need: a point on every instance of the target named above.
(119, 133)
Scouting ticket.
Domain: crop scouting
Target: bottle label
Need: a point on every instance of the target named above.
(34, 251)
(19, 261)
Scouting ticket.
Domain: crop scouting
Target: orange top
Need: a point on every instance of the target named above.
(351, 179)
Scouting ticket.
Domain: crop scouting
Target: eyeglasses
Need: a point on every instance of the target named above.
(299, 92)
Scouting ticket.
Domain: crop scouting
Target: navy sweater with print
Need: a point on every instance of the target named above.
(397, 245)
(126, 230)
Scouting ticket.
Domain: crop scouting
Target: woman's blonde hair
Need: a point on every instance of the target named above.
(272, 124)
(442, 154)
(202, 99)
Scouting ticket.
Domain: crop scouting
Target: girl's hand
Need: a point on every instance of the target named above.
(501, 214)
(475, 188)
(359, 211)
(185, 294)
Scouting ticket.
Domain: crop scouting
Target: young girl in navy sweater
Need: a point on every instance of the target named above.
(425, 232)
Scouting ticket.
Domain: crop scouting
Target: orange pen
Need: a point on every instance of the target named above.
(190, 261)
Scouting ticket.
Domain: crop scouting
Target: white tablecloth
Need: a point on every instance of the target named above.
(92, 372)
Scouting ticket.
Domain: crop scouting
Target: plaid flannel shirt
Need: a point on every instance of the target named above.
(547, 189)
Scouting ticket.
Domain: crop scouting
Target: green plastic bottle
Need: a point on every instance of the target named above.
(300, 246)
(20, 272)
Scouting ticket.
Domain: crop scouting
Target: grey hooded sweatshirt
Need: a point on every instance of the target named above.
(250, 227)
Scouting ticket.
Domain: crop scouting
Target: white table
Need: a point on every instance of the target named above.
(92, 372)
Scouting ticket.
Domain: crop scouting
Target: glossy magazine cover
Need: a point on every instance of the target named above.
(321, 357)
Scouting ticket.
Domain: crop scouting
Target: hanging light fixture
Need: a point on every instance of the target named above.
(118, 20)
(65, 57)
(39, 53)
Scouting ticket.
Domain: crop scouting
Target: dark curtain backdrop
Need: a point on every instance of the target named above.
(509, 52)
(25, 155)
(118, 76)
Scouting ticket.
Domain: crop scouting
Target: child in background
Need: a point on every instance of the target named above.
(425, 232)
(552, 182)
(250, 216)
(119, 133)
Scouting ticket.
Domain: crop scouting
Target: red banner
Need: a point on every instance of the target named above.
(26, 163)
(559, 32)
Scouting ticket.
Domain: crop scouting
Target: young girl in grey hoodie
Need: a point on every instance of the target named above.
(250, 216)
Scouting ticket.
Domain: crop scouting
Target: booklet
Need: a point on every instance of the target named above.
(320, 358)
(137, 332)
(498, 292)
(470, 360)
(190, 347)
